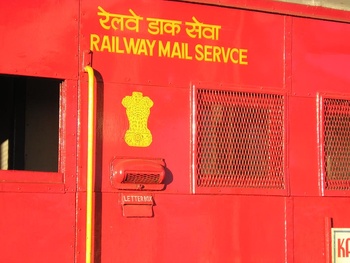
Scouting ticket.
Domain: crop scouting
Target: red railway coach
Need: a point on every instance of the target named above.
(174, 131)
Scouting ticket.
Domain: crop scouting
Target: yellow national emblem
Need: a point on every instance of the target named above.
(138, 110)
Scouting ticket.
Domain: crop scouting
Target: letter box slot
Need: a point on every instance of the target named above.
(137, 205)
(137, 174)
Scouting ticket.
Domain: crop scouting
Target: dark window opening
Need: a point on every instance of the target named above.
(29, 130)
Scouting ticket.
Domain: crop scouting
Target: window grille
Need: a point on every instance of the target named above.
(336, 127)
(239, 139)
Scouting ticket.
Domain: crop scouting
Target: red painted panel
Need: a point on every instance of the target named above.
(282, 7)
(320, 57)
(166, 80)
(169, 124)
(302, 147)
(311, 221)
(188, 228)
(42, 40)
(37, 227)
(258, 37)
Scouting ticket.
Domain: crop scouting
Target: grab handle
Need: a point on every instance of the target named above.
(90, 162)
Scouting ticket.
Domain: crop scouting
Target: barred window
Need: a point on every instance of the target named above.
(239, 139)
(336, 127)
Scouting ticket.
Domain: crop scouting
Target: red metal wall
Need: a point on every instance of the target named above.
(301, 59)
(296, 57)
(43, 36)
(186, 226)
(319, 64)
(38, 216)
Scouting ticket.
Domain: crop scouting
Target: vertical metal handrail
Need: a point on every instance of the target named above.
(90, 163)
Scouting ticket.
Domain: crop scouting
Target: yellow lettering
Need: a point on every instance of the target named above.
(94, 41)
(176, 52)
(142, 48)
(131, 46)
(105, 44)
(185, 54)
(208, 53)
(216, 54)
(225, 54)
(117, 46)
(243, 56)
(232, 55)
(113, 44)
(180, 50)
(164, 51)
(150, 46)
(199, 52)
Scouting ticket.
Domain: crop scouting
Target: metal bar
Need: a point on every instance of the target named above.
(90, 163)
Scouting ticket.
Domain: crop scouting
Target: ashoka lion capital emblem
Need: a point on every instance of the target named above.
(138, 110)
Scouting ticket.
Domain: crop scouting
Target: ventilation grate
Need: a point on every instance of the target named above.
(337, 144)
(239, 139)
(138, 178)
